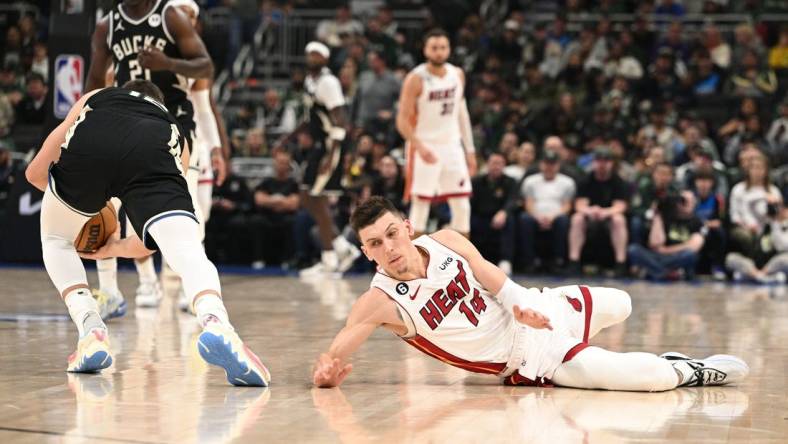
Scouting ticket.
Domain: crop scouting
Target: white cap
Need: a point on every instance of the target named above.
(188, 3)
(318, 48)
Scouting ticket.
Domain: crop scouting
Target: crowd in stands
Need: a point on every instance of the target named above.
(648, 147)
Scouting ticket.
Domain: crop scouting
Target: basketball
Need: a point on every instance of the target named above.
(97, 230)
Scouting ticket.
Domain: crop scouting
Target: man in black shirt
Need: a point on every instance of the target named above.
(389, 184)
(492, 227)
(276, 201)
(31, 111)
(601, 204)
(225, 238)
(676, 237)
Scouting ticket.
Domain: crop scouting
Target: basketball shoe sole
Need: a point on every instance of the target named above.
(221, 346)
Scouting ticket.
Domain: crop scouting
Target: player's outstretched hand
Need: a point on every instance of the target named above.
(154, 59)
(329, 372)
(531, 318)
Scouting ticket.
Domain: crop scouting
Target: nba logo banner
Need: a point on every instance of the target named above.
(69, 81)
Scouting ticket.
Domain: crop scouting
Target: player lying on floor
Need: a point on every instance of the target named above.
(441, 296)
(122, 142)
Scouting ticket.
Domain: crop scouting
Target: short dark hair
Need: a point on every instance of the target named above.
(33, 76)
(436, 32)
(704, 174)
(370, 211)
(665, 165)
(145, 87)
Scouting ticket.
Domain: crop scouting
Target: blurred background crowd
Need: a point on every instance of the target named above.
(645, 139)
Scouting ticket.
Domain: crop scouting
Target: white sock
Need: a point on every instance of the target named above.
(83, 310)
(329, 259)
(211, 305)
(108, 274)
(146, 270)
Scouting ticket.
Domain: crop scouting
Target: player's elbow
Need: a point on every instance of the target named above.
(35, 177)
(208, 68)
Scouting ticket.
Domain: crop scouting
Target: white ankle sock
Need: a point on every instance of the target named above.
(211, 305)
(108, 274)
(146, 270)
(83, 310)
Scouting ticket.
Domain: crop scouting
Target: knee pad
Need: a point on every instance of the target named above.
(178, 238)
(419, 214)
(460, 214)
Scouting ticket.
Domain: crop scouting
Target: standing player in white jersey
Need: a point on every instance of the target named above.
(433, 119)
(326, 119)
(441, 296)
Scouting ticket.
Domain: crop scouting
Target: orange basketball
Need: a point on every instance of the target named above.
(97, 230)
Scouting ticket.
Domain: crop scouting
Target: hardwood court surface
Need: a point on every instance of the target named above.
(159, 390)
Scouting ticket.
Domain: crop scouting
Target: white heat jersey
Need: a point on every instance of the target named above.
(449, 315)
(438, 106)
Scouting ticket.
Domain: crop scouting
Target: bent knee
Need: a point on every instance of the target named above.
(618, 303)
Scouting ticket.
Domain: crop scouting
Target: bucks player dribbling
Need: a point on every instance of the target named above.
(147, 40)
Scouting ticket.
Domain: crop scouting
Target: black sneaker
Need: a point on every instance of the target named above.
(573, 269)
(620, 271)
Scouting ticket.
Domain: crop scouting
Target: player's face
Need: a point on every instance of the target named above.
(315, 61)
(387, 242)
(436, 50)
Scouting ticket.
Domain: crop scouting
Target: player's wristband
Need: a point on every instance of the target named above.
(512, 294)
(337, 133)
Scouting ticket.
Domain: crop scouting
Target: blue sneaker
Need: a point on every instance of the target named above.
(92, 353)
(111, 304)
(221, 346)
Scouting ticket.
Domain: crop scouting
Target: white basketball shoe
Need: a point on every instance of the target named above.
(111, 303)
(714, 370)
(92, 352)
(149, 294)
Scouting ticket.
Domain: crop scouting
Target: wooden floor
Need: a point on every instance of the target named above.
(159, 390)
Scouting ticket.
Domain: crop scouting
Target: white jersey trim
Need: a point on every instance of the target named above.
(137, 22)
(164, 23)
(109, 34)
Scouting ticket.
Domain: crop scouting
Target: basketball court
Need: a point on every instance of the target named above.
(159, 389)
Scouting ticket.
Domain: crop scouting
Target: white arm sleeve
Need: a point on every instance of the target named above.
(466, 131)
(512, 294)
(329, 92)
(204, 118)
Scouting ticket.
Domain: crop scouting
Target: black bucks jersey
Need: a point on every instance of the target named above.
(126, 37)
(323, 93)
(126, 145)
